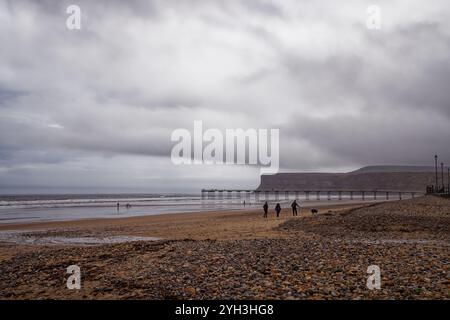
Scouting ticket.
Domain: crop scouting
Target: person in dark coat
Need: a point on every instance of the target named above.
(278, 209)
(265, 207)
(294, 206)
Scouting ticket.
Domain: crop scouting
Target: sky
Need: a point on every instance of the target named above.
(93, 110)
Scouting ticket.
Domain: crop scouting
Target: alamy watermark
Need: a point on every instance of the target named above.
(73, 21)
(74, 280)
(259, 147)
(373, 21)
(374, 279)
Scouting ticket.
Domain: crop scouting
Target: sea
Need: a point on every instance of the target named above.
(61, 207)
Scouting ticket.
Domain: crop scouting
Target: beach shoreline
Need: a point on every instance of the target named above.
(25, 210)
(176, 217)
(240, 255)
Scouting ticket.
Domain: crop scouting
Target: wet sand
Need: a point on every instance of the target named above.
(219, 225)
(216, 225)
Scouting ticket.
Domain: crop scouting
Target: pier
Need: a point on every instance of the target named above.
(317, 195)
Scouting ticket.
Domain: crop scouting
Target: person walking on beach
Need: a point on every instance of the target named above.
(294, 206)
(278, 209)
(265, 207)
(118, 206)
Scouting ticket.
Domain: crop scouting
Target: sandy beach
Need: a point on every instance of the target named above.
(219, 225)
(237, 254)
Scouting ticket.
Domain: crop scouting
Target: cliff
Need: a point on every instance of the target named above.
(401, 178)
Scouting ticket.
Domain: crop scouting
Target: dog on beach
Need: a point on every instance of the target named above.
(314, 211)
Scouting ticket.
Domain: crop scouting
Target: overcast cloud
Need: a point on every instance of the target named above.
(93, 109)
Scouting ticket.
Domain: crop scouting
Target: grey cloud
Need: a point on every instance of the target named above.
(262, 6)
(342, 96)
(8, 95)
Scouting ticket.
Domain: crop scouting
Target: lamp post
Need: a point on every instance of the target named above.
(442, 176)
(448, 180)
(435, 167)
